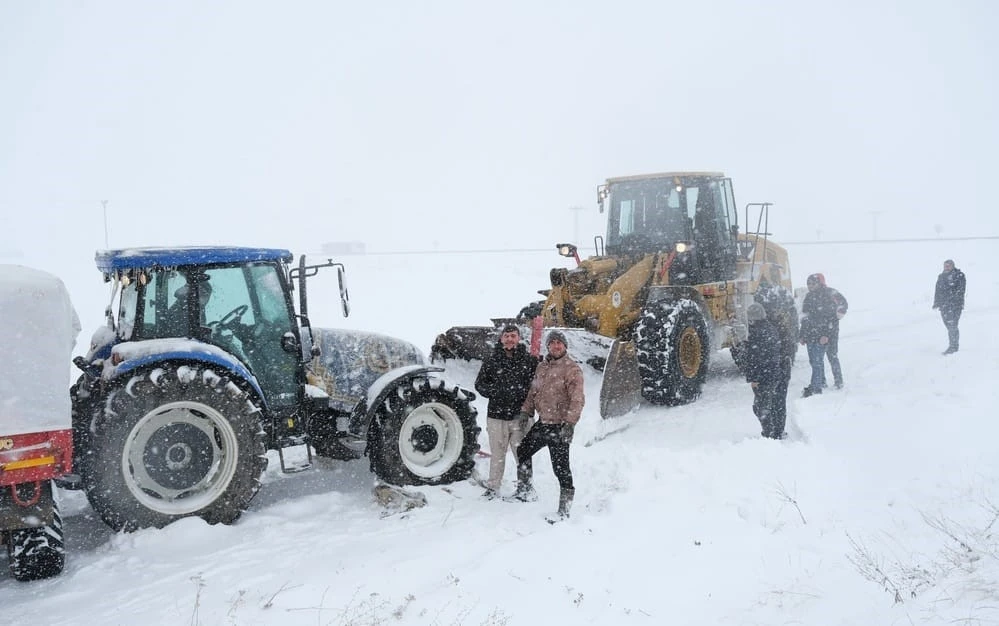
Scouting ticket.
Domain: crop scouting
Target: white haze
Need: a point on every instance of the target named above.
(454, 126)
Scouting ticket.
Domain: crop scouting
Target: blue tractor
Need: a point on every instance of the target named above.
(204, 364)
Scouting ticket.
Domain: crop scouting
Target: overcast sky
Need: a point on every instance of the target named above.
(457, 125)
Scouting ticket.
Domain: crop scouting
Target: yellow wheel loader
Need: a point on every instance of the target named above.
(666, 289)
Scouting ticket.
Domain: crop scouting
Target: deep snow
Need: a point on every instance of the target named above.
(880, 509)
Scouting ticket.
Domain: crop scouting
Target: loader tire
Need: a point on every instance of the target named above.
(174, 442)
(424, 433)
(673, 350)
(37, 553)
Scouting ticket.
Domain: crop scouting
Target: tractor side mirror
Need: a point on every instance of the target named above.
(341, 277)
(290, 344)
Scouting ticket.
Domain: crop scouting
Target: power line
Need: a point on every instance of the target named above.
(551, 249)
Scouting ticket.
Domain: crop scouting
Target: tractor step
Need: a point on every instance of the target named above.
(293, 442)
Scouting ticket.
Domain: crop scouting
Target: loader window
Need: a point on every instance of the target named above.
(649, 212)
(626, 225)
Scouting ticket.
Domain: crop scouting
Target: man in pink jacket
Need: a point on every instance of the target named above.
(556, 394)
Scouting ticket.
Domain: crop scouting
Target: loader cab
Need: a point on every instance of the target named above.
(690, 214)
(243, 308)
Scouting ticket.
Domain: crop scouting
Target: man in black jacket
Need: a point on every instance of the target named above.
(949, 298)
(505, 378)
(764, 372)
(819, 323)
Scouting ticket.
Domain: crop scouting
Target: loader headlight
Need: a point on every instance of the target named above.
(681, 247)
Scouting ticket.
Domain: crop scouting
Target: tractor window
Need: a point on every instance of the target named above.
(127, 309)
(270, 295)
(164, 311)
(228, 292)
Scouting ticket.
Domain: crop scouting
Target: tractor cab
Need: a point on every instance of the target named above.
(240, 302)
(689, 214)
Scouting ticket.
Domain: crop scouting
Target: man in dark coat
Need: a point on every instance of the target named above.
(819, 323)
(764, 371)
(778, 303)
(832, 348)
(504, 378)
(949, 298)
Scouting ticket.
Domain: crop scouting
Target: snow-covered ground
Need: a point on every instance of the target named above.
(880, 509)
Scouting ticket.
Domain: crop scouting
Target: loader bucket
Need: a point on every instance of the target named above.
(464, 342)
(621, 389)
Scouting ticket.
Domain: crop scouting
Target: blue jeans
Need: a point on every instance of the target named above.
(816, 358)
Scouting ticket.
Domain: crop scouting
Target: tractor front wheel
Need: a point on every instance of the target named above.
(424, 433)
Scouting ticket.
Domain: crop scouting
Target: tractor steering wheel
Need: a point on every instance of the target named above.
(231, 319)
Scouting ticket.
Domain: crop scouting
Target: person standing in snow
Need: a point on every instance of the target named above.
(949, 298)
(832, 348)
(780, 310)
(504, 378)
(557, 396)
(764, 371)
(819, 322)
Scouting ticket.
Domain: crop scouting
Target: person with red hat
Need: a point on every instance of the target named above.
(820, 314)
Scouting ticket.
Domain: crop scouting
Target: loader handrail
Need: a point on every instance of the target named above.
(762, 220)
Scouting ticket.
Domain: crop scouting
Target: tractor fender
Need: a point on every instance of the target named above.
(365, 410)
(215, 357)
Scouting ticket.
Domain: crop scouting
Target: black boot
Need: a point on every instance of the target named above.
(524, 492)
(564, 504)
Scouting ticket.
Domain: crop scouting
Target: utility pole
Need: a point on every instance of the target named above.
(575, 222)
(105, 204)
(874, 220)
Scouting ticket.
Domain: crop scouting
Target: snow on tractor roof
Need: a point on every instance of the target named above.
(131, 258)
(38, 329)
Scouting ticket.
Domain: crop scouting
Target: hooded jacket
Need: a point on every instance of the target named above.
(949, 292)
(556, 392)
(819, 311)
(763, 353)
(505, 379)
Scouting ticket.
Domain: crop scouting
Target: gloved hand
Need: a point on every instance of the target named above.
(524, 415)
(935, 307)
(565, 432)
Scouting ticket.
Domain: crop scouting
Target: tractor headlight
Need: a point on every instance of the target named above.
(681, 247)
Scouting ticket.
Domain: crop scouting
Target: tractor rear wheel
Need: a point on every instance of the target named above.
(174, 442)
(36, 553)
(673, 350)
(424, 433)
